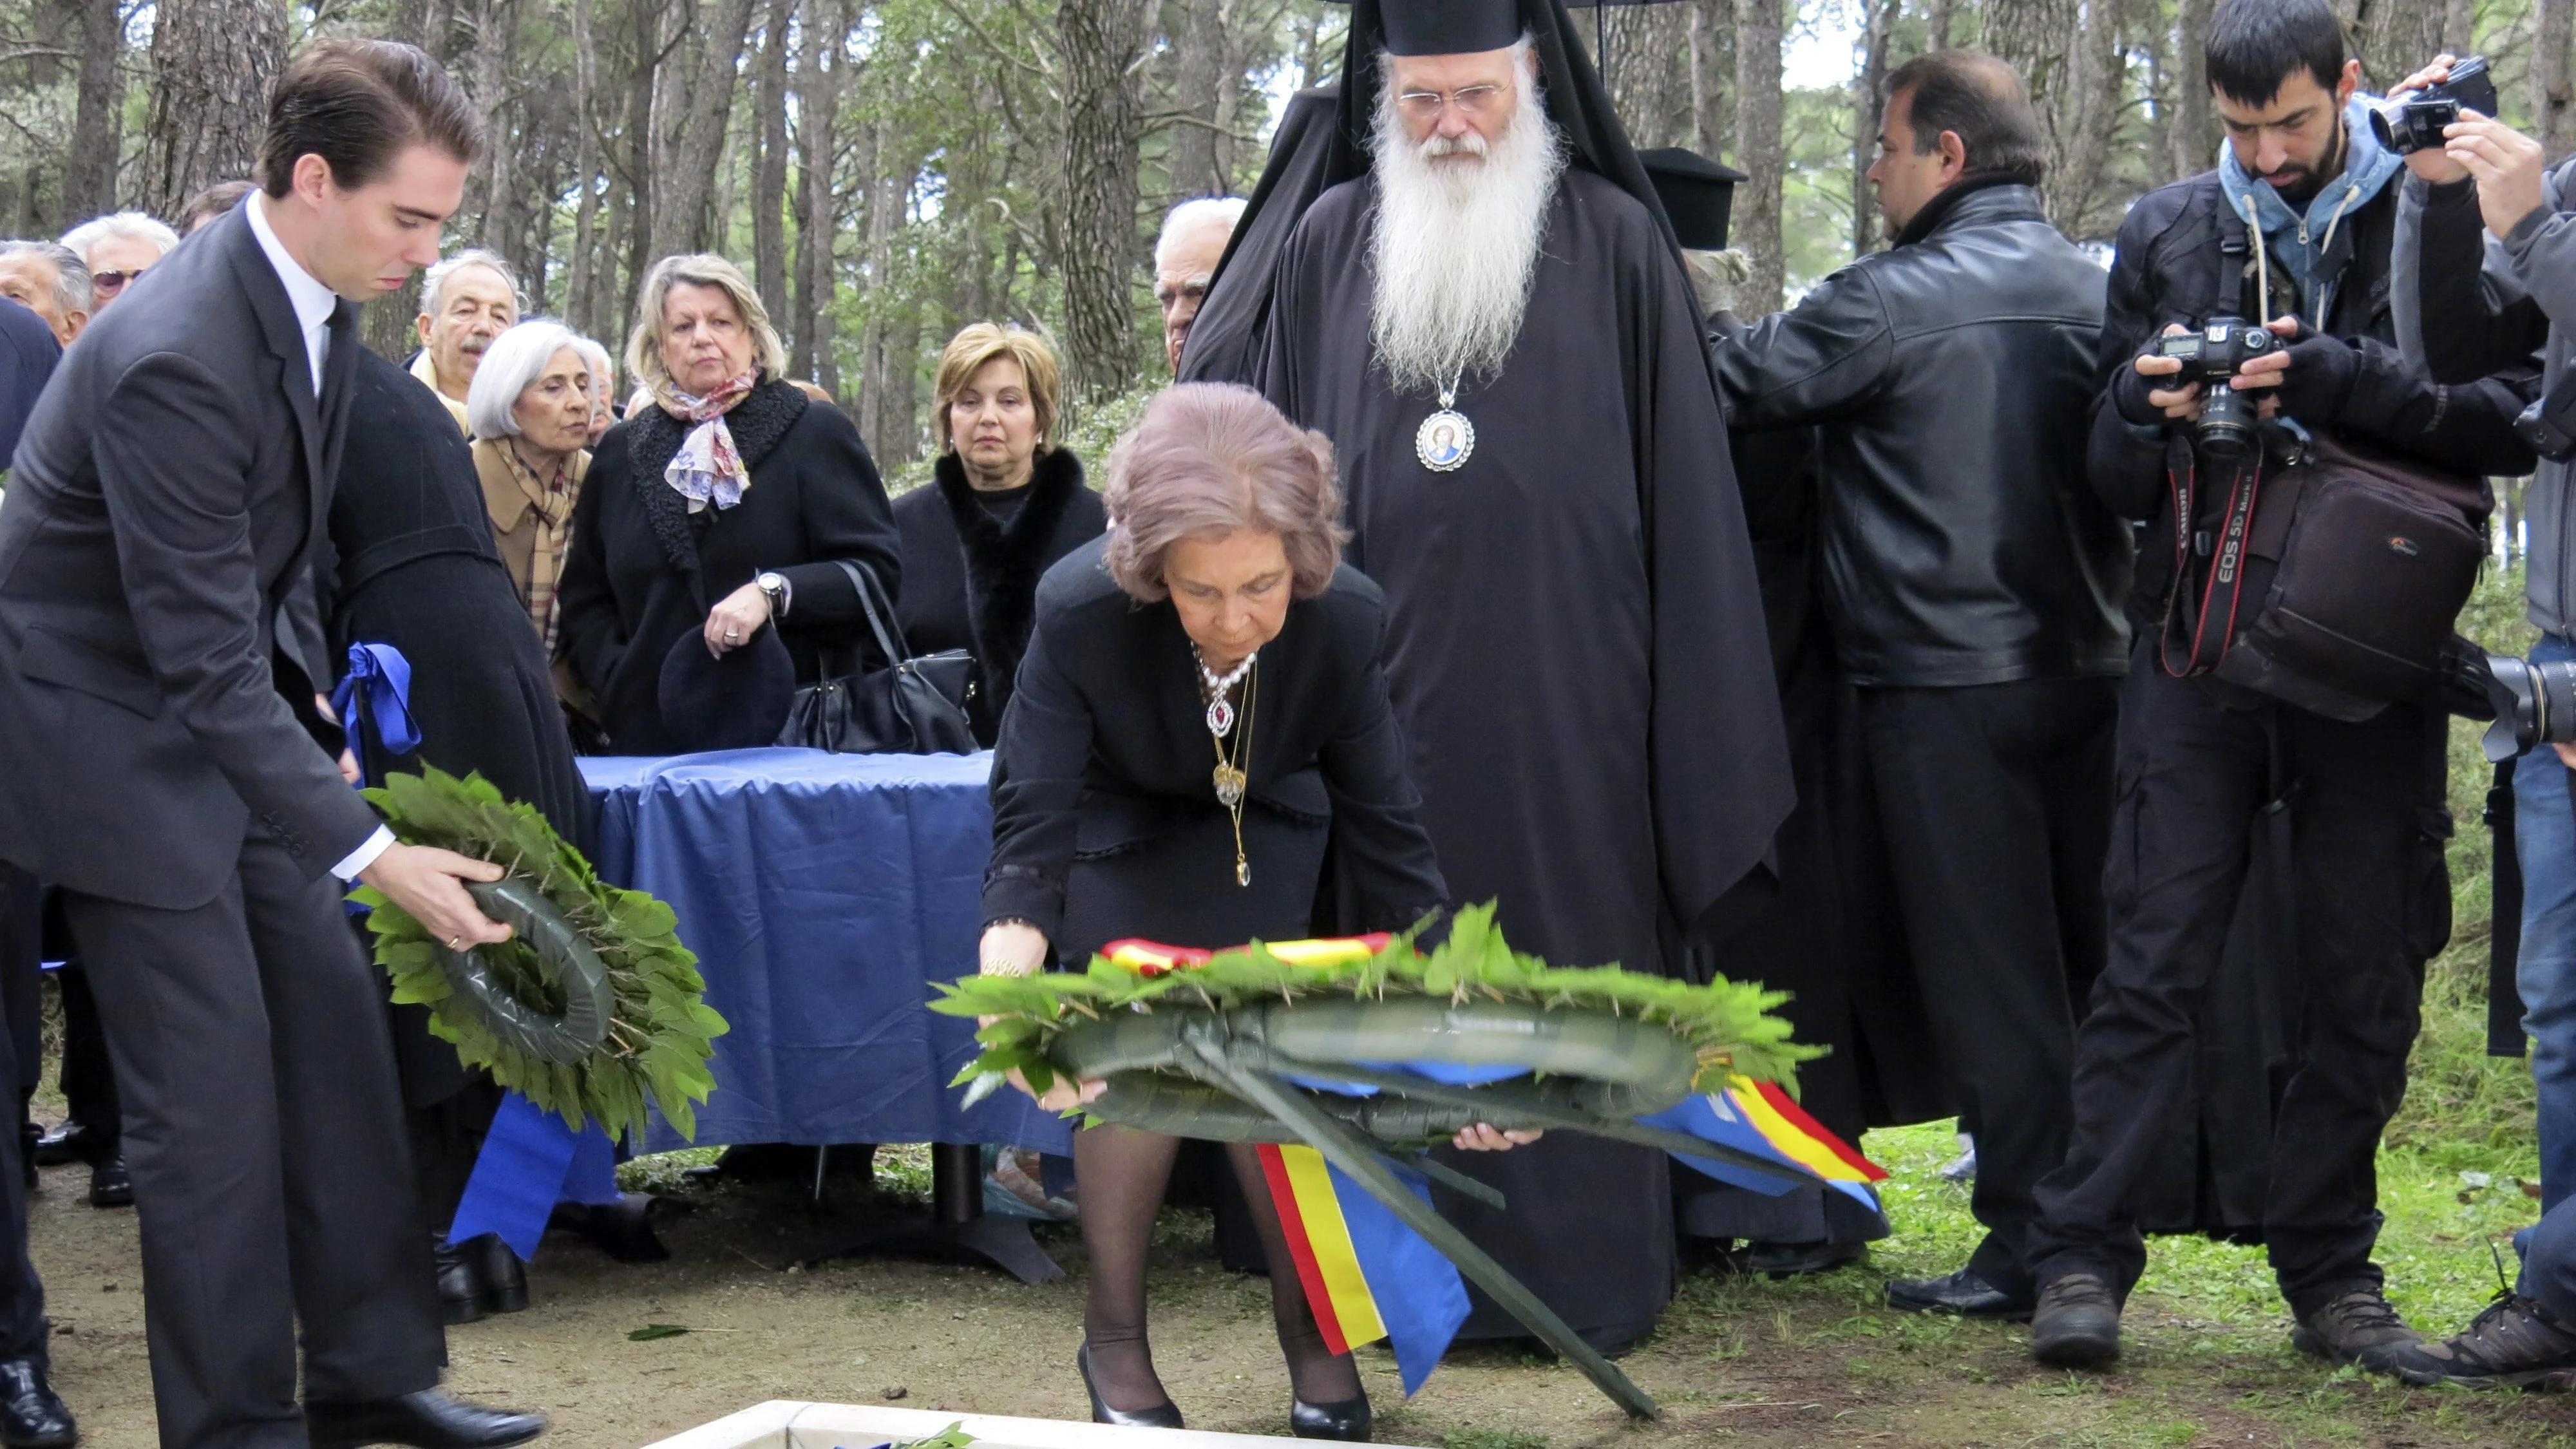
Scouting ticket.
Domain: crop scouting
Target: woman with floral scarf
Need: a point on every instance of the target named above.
(720, 513)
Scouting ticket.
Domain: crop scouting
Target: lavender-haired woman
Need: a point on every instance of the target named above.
(1200, 713)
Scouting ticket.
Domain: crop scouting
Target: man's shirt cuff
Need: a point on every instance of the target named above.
(365, 855)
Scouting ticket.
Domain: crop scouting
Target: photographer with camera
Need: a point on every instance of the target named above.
(2487, 259)
(2293, 600)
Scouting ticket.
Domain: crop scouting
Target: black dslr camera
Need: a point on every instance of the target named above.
(2535, 705)
(2210, 357)
(2413, 120)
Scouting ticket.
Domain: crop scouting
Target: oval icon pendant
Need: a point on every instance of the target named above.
(1220, 717)
(1444, 441)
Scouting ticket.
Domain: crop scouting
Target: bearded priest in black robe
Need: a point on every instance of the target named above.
(1486, 313)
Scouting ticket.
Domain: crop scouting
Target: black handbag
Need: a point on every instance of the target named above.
(917, 706)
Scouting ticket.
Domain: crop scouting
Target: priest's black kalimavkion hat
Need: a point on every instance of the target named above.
(1450, 27)
(1698, 194)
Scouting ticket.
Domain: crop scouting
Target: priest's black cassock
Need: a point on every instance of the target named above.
(1575, 639)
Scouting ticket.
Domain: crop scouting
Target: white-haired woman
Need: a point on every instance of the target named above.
(530, 409)
(718, 516)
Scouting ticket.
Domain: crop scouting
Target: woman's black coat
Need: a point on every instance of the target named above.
(412, 564)
(1105, 817)
(643, 570)
(970, 581)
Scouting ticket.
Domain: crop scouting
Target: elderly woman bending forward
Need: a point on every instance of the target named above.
(721, 512)
(1201, 711)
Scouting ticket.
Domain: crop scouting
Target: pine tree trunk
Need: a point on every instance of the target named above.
(1758, 151)
(642, 192)
(1869, 108)
(818, 124)
(495, 25)
(2396, 36)
(2553, 105)
(2194, 133)
(581, 301)
(685, 167)
(1098, 42)
(1198, 75)
(213, 62)
(1712, 62)
(885, 371)
(89, 167)
(769, 185)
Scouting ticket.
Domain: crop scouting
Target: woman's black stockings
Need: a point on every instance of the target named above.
(1122, 1173)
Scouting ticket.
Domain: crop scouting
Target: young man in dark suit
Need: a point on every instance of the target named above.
(159, 660)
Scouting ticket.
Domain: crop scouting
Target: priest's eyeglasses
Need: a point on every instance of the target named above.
(1470, 101)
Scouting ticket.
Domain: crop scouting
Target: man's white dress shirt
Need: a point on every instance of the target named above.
(314, 303)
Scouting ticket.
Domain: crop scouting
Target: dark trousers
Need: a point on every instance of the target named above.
(22, 1296)
(1995, 800)
(265, 1134)
(89, 1083)
(2368, 898)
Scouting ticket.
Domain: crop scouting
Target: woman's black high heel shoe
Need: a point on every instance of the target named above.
(1165, 1415)
(1347, 1420)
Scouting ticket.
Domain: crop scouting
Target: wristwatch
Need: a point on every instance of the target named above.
(781, 593)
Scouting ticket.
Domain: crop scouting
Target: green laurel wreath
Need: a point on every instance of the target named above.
(1728, 1024)
(660, 1032)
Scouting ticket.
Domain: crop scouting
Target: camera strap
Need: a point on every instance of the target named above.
(2209, 581)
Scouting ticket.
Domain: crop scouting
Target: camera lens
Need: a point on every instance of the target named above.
(2535, 705)
(2226, 425)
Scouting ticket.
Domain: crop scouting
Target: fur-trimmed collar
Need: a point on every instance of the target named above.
(757, 423)
(1004, 561)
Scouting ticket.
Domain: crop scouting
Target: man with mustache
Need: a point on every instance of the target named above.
(1485, 311)
(465, 302)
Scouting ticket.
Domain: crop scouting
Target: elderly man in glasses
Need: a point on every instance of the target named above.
(118, 249)
(1485, 311)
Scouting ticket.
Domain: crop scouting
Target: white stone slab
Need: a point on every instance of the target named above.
(784, 1424)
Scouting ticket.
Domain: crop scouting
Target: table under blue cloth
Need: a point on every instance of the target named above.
(822, 894)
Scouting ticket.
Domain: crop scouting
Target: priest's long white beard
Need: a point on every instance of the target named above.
(1456, 243)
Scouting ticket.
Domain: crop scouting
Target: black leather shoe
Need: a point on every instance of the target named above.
(30, 1416)
(1790, 1260)
(71, 1142)
(460, 1280)
(425, 1420)
(504, 1277)
(2077, 1323)
(1347, 1421)
(110, 1185)
(622, 1229)
(1962, 1293)
(1165, 1415)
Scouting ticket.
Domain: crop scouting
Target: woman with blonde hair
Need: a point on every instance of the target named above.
(707, 574)
(1005, 502)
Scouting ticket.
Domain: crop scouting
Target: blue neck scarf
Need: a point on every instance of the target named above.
(2299, 242)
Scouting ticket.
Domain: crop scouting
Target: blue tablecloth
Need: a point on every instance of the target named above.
(823, 894)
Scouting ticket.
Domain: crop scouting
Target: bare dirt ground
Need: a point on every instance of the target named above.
(1811, 1362)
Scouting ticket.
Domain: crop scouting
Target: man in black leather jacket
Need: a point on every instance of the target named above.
(1972, 583)
(2293, 227)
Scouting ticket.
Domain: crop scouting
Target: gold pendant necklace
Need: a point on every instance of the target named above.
(1233, 739)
